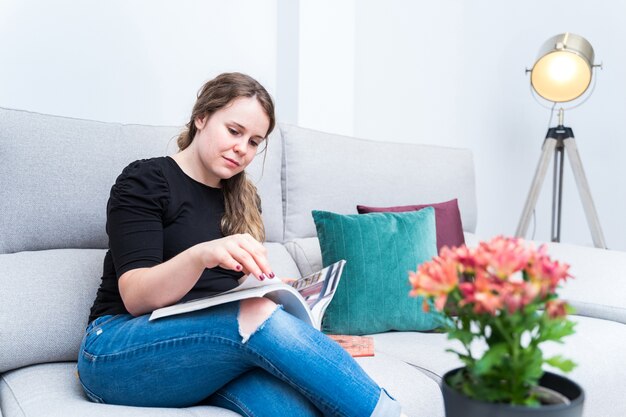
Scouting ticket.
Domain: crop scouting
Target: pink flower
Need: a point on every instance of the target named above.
(465, 257)
(556, 308)
(505, 256)
(436, 278)
(483, 294)
(518, 295)
(543, 269)
(508, 275)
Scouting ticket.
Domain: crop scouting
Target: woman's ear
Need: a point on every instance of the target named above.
(200, 122)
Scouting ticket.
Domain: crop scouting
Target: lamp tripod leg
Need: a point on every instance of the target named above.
(547, 151)
(557, 191)
(585, 193)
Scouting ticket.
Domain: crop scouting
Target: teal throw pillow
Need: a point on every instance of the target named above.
(380, 250)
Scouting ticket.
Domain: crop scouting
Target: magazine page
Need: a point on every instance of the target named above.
(305, 298)
(286, 295)
(318, 289)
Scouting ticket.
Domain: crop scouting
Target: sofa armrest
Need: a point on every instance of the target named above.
(599, 283)
(599, 278)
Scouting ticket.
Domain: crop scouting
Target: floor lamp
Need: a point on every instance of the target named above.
(562, 73)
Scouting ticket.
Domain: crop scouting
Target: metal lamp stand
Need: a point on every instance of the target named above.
(557, 140)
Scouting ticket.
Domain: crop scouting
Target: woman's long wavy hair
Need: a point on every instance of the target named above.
(241, 200)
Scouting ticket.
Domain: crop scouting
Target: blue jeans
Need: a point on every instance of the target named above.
(285, 368)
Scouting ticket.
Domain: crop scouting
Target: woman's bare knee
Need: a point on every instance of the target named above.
(252, 313)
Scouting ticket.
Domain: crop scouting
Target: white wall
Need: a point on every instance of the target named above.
(452, 73)
(448, 72)
(139, 61)
(327, 66)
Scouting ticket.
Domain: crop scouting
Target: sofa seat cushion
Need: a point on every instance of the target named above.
(416, 391)
(424, 350)
(54, 390)
(597, 347)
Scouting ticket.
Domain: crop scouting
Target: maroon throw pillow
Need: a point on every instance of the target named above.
(447, 220)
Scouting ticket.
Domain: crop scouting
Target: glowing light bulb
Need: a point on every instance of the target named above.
(561, 76)
(562, 68)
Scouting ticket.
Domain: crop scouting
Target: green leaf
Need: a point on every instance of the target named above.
(493, 357)
(463, 336)
(561, 363)
(557, 329)
(531, 367)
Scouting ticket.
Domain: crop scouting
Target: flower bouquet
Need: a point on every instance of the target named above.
(502, 295)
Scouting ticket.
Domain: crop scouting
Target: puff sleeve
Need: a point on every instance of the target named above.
(135, 212)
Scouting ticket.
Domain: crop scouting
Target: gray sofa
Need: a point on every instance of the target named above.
(55, 176)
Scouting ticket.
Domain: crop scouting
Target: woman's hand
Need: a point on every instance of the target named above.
(146, 289)
(239, 252)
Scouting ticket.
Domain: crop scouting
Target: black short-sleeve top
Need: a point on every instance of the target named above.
(156, 211)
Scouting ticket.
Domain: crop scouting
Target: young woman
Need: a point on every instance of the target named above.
(188, 226)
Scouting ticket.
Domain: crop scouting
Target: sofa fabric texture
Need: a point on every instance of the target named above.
(336, 173)
(55, 178)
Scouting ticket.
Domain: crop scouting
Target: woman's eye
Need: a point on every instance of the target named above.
(254, 143)
(233, 131)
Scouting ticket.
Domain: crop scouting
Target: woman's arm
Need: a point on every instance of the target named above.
(146, 289)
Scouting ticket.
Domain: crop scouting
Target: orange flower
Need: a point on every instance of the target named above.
(466, 258)
(435, 279)
(483, 293)
(508, 274)
(505, 256)
(556, 308)
(518, 295)
(542, 268)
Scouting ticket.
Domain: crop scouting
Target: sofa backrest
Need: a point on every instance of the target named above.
(330, 172)
(56, 173)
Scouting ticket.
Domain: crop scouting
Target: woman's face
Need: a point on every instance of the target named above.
(228, 140)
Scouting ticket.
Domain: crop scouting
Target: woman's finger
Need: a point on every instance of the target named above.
(258, 254)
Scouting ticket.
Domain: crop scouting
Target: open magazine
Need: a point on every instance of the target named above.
(305, 298)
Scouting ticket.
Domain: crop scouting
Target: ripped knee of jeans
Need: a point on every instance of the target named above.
(253, 314)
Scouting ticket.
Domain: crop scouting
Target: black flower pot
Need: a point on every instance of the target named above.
(458, 405)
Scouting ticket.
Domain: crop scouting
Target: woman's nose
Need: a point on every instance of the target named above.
(241, 147)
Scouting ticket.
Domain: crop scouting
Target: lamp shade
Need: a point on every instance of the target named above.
(563, 69)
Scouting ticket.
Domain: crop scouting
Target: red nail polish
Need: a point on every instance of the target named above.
(272, 275)
(238, 267)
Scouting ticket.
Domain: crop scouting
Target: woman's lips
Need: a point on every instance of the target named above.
(232, 162)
